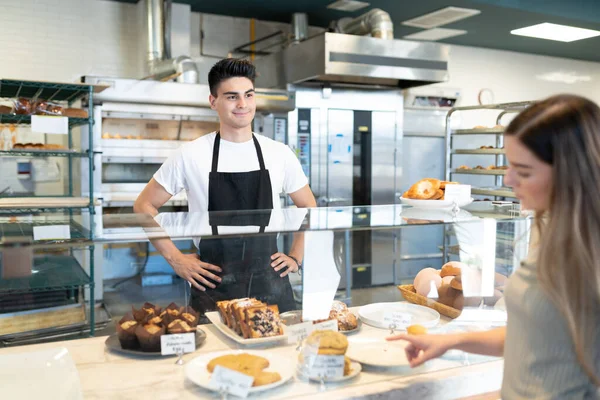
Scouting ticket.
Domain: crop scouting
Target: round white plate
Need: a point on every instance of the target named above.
(433, 203)
(379, 354)
(356, 369)
(196, 371)
(373, 314)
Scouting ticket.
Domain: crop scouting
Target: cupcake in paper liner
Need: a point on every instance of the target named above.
(147, 309)
(153, 319)
(171, 313)
(189, 315)
(126, 332)
(148, 336)
(180, 326)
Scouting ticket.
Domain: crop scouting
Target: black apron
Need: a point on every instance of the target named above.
(245, 261)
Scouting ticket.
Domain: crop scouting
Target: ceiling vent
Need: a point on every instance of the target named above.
(435, 34)
(348, 5)
(441, 17)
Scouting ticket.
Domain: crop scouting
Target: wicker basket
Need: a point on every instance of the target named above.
(410, 295)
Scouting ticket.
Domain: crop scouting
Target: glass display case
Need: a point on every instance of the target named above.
(254, 309)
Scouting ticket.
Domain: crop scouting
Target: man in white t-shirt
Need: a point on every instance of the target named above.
(232, 170)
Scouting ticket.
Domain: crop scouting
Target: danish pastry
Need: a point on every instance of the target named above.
(424, 189)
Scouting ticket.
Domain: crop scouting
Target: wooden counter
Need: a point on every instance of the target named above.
(107, 375)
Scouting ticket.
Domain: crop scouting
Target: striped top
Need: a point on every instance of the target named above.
(539, 355)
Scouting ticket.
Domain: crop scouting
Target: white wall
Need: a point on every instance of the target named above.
(62, 40)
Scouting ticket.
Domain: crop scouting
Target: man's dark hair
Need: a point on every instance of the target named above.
(229, 68)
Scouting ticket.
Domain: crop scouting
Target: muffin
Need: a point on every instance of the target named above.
(190, 316)
(179, 326)
(147, 309)
(148, 336)
(126, 332)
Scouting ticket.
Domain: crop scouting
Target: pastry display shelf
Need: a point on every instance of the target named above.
(479, 171)
(493, 191)
(42, 153)
(49, 273)
(479, 151)
(487, 131)
(49, 91)
(24, 227)
(26, 120)
(22, 205)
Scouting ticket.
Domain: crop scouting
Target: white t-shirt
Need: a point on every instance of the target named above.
(188, 169)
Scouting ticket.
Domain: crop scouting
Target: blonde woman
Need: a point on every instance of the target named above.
(551, 343)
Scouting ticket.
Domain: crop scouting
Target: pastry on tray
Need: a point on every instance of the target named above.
(148, 336)
(146, 310)
(247, 364)
(190, 316)
(179, 326)
(126, 332)
(262, 321)
(326, 343)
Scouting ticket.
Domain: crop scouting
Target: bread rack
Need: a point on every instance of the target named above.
(457, 155)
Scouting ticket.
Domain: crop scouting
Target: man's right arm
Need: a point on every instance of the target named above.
(187, 266)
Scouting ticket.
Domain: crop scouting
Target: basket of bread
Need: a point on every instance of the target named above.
(443, 291)
(430, 193)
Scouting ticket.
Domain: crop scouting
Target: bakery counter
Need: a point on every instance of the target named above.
(107, 375)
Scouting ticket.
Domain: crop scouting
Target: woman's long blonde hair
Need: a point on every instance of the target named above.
(564, 131)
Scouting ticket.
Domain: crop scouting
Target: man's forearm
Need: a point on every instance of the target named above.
(297, 249)
(165, 246)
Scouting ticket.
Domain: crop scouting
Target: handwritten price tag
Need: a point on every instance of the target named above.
(399, 319)
(177, 344)
(320, 366)
(230, 382)
(331, 325)
(458, 193)
(298, 332)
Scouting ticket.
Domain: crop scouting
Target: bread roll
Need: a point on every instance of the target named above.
(461, 302)
(5, 110)
(422, 282)
(447, 295)
(452, 268)
(75, 113)
(456, 283)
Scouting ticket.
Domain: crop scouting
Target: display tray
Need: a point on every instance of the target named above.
(433, 204)
(410, 294)
(196, 370)
(295, 317)
(374, 314)
(112, 343)
(215, 318)
(380, 354)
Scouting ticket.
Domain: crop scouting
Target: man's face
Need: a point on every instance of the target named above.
(235, 102)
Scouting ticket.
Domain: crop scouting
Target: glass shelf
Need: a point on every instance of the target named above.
(49, 273)
(26, 120)
(41, 153)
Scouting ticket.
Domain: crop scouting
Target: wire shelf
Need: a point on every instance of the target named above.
(26, 120)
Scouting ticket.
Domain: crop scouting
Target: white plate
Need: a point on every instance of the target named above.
(433, 203)
(379, 354)
(215, 318)
(46, 374)
(196, 371)
(373, 314)
(356, 368)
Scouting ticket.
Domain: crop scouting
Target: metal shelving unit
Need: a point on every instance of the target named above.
(498, 190)
(52, 273)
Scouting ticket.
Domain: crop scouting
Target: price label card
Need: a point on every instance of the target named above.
(231, 382)
(50, 124)
(298, 332)
(397, 318)
(177, 344)
(331, 325)
(458, 193)
(325, 366)
(51, 232)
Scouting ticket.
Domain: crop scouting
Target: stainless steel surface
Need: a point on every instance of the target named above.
(300, 26)
(155, 24)
(339, 161)
(149, 92)
(347, 59)
(496, 192)
(383, 157)
(376, 22)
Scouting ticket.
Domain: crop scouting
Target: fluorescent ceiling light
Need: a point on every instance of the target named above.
(441, 17)
(348, 5)
(569, 77)
(561, 33)
(435, 34)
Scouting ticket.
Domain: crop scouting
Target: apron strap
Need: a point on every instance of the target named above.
(261, 161)
(215, 156)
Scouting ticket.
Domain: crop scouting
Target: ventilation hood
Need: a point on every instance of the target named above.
(344, 59)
